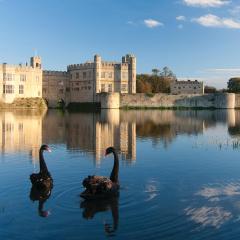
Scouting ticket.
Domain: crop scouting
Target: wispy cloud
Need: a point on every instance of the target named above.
(131, 23)
(235, 11)
(151, 23)
(181, 18)
(211, 20)
(223, 70)
(206, 3)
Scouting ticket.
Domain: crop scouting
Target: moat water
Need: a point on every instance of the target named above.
(179, 174)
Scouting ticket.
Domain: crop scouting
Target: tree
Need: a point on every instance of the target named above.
(155, 71)
(167, 72)
(210, 89)
(234, 85)
(157, 82)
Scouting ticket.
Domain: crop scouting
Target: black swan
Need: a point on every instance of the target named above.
(41, 195)
(42, 179)
(92, 207)
(102, 187)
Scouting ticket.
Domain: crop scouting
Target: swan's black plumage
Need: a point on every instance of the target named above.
(102, 187)
(42, 179)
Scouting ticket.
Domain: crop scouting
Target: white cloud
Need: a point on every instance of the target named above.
(181, 18)
(211, 20)
(151, 23)
(206, 3)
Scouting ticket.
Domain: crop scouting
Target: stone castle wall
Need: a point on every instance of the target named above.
(141, 100)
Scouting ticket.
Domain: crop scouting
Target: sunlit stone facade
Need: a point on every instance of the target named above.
(81, 82)
(21, 81)
(187, 87)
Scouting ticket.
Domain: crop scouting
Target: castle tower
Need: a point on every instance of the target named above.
(97, 66)
(36, 62)
(131, 60)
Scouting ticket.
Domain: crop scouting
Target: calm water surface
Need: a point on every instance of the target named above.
(179, 174)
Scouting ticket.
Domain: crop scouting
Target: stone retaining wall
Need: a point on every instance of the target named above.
(142, 100)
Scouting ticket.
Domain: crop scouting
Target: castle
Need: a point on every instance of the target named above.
(21, 81)
(81, 83)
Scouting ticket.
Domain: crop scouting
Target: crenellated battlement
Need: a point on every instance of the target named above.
(20, 67)
(80, 66)
(54, 73)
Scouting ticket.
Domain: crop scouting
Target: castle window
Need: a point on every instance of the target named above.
(22, 77)
(110, 75)
(102, 87)
(61, 91)
(8, 76)
(8, 88)
(102, 74)
(84, 74)
(77, 75)
(109, 87)
(37, 78)
(67, 89)
(89, 87)
(21, 89)
(124, 87)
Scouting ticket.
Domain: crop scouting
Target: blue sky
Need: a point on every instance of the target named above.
(195, 38)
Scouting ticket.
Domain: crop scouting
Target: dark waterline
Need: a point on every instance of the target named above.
(179, 174)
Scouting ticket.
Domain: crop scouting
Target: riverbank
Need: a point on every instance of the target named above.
(25, 103)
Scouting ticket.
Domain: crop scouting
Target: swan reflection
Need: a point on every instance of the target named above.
(92, 207)
(42, 183)
(41, 195)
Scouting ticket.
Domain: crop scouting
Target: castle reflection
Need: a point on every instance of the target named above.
(21, 131)
(92, 133)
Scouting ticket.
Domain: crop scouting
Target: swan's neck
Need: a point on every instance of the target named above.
(40, 205)
(43, 166)
(114, 173)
